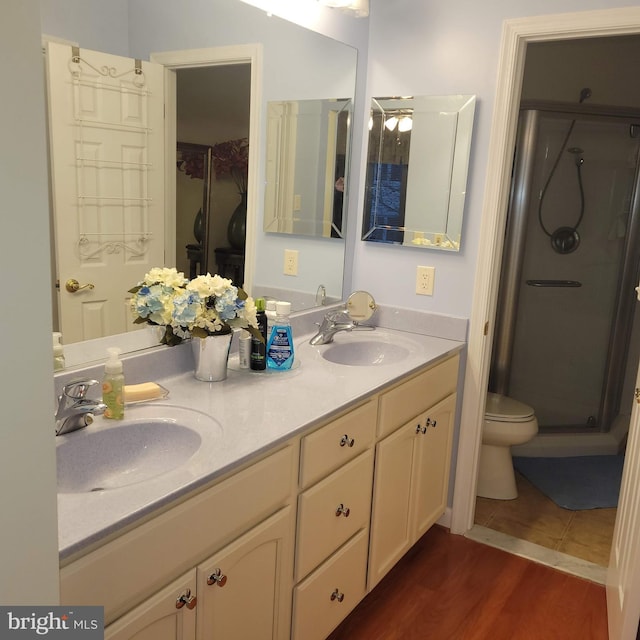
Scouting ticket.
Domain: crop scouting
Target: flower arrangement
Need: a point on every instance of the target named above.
(231, 158)
(207, 305)
(191, 163)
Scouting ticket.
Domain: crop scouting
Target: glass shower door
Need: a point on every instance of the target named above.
(568, 289)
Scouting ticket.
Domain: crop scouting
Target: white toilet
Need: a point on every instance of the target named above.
(507, 422)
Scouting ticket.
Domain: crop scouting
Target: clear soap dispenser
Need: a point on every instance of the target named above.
(113, 386)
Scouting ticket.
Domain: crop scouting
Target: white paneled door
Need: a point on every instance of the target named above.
(623, 578)
(106, 120)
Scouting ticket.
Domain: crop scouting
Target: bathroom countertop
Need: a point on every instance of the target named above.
(255, 412)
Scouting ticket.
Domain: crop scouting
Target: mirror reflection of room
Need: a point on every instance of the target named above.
(417, 164)
(212, 170)
(307, 158)
(322, 67)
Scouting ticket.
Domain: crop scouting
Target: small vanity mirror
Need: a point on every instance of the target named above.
(307, 156)
(417, 170)
(360, 306)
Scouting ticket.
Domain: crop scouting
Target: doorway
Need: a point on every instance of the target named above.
(583, 162)
(174, 61)
(213, 105)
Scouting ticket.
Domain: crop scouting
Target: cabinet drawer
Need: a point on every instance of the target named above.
(332, 446)
(407, 400)
(125, 571)
(316, 610)
(323, 523)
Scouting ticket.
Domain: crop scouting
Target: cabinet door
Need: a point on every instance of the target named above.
(432, 462)
(392, 499)
(245, 589)
(161, 617)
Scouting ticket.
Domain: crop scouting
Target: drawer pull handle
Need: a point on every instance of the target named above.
(431, 423)
(217, 577)
(336, 595)
(186, 599)
(346, 440)
(420, 429)
(341, 510)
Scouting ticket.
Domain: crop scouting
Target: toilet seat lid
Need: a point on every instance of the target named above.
(504, 408)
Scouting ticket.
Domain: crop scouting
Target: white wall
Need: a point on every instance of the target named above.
(29, 550)
(93, 24)
(441, 48)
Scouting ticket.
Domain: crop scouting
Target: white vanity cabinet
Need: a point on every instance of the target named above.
(334, 508)
(243, 526)
(286, 546)
(412, 464)
(211, 601)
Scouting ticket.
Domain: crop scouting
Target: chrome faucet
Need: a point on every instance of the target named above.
(333, 322)
(75, 411)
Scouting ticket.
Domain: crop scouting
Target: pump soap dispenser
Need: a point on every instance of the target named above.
(113, 386)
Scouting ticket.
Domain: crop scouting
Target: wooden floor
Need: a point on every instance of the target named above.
(451, 588)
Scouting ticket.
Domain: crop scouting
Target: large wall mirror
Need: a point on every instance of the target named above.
(417, 163)
(322, 68)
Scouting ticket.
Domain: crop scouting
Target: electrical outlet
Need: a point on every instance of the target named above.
(290, 262)
(424, 280)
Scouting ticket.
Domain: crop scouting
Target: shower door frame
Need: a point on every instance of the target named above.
(515, 241)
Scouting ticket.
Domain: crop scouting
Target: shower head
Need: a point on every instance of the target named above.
(585, 94)
(577, 152)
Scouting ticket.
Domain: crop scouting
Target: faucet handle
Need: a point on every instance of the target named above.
(77, 389)
(338, 315)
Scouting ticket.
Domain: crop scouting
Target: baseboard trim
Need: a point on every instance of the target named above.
(445, 519)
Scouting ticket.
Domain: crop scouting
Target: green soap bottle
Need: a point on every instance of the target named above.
(113, 386)
(258, 358)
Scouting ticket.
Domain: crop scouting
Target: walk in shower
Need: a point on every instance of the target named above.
(565, 340)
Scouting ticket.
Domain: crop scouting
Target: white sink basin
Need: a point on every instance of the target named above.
(110, 454)
(364, 352)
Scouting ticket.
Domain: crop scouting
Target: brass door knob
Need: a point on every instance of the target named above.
(72, 285)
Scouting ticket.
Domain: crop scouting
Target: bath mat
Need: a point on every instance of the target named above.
(576, 483)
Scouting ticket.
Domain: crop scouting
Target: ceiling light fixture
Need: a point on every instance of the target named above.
(357, 8)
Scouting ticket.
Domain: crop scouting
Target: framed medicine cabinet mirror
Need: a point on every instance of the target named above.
(307, 156)
(417, 162)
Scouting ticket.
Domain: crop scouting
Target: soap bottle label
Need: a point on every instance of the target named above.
(258, 358)
(113, 397)
(280, 351)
